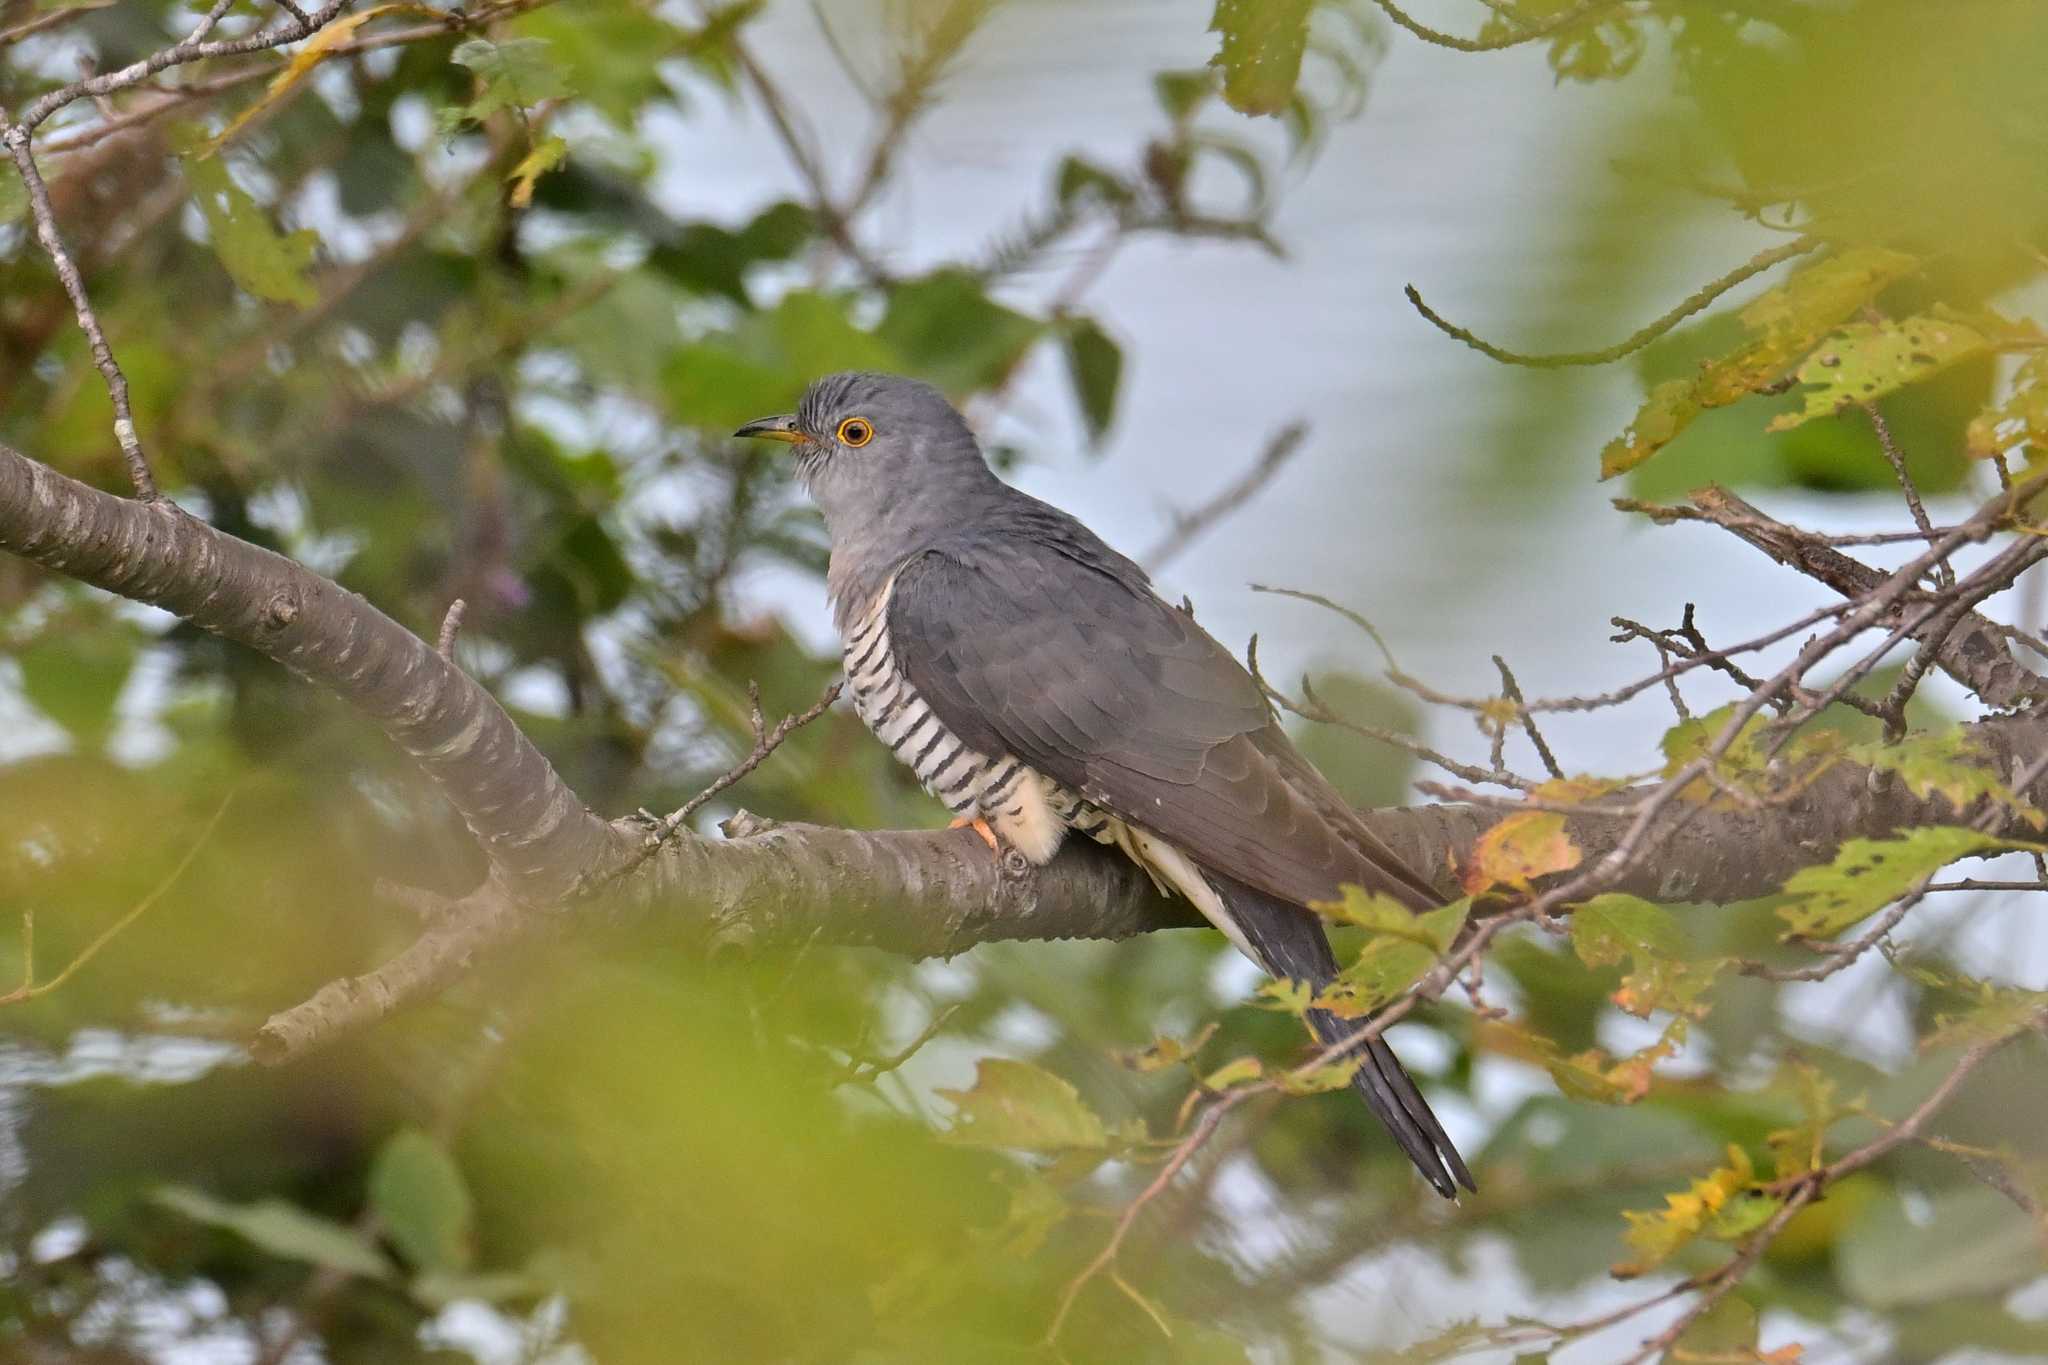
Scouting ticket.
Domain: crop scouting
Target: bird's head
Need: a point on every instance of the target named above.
(870, 446)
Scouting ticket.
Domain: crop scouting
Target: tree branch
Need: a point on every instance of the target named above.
(528, 821)
(922, 893)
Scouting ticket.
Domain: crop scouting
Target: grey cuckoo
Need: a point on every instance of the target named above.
(1036, 684)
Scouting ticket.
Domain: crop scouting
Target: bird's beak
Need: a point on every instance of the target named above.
(773, 429)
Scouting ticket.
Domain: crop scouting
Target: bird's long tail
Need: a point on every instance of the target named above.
(1289, 942)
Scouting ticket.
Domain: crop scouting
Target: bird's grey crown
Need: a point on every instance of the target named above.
(921, 484)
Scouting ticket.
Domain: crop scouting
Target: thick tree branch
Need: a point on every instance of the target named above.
(526, 818)
(920, 893)
(1970, 649)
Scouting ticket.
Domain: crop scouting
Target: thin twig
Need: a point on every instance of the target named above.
(1187, 526)
(766, 741)
(16, 136)
(1512, 691)
(1635, 341)
(192, 49)
(29, 989)
(1803, 1189)
(1944, 574)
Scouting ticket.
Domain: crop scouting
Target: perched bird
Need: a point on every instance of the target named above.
(1037, 685)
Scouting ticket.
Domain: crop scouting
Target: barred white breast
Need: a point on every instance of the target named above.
(1028, 809)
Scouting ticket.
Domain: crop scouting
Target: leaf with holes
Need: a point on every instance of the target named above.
(1869, 874)
(1786, 322)
(1865, 361)
(1260, 55)
(1950, 764)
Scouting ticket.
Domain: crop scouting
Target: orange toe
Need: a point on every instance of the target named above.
(981, 827)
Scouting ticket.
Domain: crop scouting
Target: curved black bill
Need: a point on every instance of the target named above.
(772, 429)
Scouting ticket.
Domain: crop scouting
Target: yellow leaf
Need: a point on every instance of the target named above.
(1724, 1204)
(1789, 319)
(547, 154)
(1526, 845)
(314, 51)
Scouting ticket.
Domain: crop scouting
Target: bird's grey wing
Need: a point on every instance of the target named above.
(1022, 649)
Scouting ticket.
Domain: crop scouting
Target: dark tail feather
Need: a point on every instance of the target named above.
(1289, 941)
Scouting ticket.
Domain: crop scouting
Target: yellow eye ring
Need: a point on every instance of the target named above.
(856, 432)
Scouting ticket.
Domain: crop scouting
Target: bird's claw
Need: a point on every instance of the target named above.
(981, 827)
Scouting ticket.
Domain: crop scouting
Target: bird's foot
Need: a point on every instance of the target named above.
(981, 827)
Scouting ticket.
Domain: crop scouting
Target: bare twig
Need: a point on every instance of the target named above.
(29, 988)
(660, 829)
(1944, 574)
(451, 626)
(16, 136)
(1635, 341)
(1512, 691)
(1187, 526)
(193, 49)
(866, 1070)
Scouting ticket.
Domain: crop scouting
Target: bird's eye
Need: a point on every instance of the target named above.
(856, 432)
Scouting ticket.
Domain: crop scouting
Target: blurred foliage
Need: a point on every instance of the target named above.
(432, 316)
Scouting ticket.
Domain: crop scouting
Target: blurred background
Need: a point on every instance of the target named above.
(471, 315)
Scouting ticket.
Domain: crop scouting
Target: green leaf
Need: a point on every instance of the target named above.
(255, 255)
(1168, 1052)
(1608, 929)
(1095, 367)
(1866, 360)
(1974, 1010)
(1403, 946)
(1036, 1208)
(418, 1191)
(1948, 763)
(1869, 874)
(1016, 1104)
(1785, 323)
(515, 74)
(609, 52)
(1260, 54)
(281, 1229)
(1234, 1073)
(948, 329)
(437, 1288)
(1180, 93)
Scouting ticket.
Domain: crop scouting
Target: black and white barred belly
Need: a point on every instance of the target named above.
(1028, 809)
